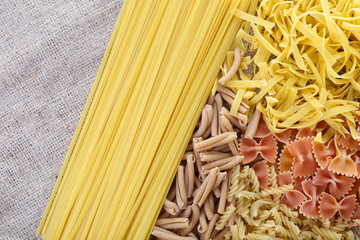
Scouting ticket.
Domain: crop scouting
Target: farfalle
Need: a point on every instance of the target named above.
(305, 163)
(355, 187)
(263, 131)
(286, 160)
(292, 198)
(348, 142)
(329, 206)
(284, 178)
(338, 185)
(310, 207)
(356, 159)
(342, 163)
(356, 213)
(250, 148)
(306, 133)
(262, 173)
(324, 153)
(298, 183)
(284, 137)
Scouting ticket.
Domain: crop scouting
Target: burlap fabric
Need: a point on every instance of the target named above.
(50, 52)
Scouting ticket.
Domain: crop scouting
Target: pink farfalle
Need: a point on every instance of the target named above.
(262, 130)
(286, 160)
(250, 149)
(348, 142)
(284, 178)
(298, 183)
(324, 152)
(284, 137)
(338, 185)
(310, 207)
(356, 214)
(293, 198)
(342, 163)
(261, 171)
(329, 206)
(305, 163)
(306, 133)
(355, 187)
(356, 159)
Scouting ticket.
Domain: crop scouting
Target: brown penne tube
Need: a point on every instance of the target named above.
(213, 156)
(224, 112)
(197, 158)
(208, 212)
(186, 154)
(171, 207)
(226, 126)
(212, 142)
(172, 194)
(222, 200)
(203, 226)
(242, 118)
(219, 178)
(219, 105)
(223, 164)
(207, 133)
(182, 187)
(179, 201)
(217, 192)
(190, 174)
(223, 148)
(166, 234)
(226, 91)
(212, 202)
(210, 99)
(238, 56)
(221, 234)
(195, 215)
(209, 182)
(164, 215)
(206, 118)
(199, 190)
(187, 212)
(253, 124)
(211, 226)
(215, 121)
(172, 223)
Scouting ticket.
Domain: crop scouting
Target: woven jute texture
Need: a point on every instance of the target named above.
(50, 51)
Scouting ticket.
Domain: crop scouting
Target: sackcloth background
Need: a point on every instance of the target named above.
(50, 51)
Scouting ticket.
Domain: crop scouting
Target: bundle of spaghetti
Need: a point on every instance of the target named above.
(156, 74)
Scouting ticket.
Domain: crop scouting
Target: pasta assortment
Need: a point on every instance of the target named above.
(275, 153)
(159, 66)
(296, 119)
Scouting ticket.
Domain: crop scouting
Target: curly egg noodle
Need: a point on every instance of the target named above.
(307, 52)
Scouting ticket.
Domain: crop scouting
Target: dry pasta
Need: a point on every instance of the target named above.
(157, 71)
